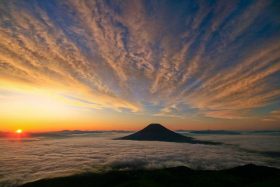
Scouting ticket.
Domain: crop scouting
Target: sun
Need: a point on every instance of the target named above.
(19, 131)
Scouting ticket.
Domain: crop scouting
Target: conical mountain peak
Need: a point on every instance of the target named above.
(157, 132)
(155, 127)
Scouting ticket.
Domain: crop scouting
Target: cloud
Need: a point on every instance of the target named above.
(273, 116)
(56, 154)
(37, 51)
(225, 114)
(221, 59)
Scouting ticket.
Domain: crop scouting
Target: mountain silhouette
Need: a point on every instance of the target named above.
(157, 132)
(241, 176)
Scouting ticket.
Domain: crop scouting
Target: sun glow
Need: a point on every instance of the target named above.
(18, 134)
(26, 108)
(35, 105)
(19, 131)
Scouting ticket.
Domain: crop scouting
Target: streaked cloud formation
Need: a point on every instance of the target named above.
(162, 58)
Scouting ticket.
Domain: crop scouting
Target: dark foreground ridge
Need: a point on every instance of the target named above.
(157, 132)
(248, 175)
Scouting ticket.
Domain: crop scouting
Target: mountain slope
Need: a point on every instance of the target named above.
(248, 175)
(157, 132)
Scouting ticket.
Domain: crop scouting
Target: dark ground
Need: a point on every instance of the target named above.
(248, 175)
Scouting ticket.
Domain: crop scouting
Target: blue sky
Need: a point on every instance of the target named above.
(177, 62)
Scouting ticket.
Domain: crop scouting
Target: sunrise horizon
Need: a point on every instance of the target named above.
(138, 127)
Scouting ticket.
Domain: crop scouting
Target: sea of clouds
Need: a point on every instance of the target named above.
(52, 155)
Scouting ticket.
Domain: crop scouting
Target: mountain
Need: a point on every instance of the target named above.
(242, 176)
(157, 132)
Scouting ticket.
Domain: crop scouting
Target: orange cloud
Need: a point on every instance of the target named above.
(124, 56)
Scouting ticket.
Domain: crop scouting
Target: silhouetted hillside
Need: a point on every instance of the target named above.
(220, 132)
(157, 132)
(248, 175)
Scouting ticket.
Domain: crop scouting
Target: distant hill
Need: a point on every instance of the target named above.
(216, 132)
(157, 132)
(242, 176)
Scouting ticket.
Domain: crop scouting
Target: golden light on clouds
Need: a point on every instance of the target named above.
(96, 64)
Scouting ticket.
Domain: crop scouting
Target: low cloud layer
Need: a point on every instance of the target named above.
(45, 156)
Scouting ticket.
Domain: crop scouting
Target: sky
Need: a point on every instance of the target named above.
(120, 65)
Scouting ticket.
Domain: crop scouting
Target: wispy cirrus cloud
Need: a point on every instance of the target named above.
(220, 59)
(273, 116)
